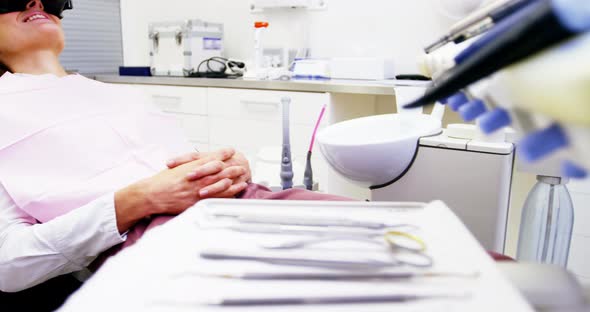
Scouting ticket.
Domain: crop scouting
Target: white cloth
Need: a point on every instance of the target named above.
(31, 253)
(33, 249)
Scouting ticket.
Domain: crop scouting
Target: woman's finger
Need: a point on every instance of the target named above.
(224, 154)
(210, 168)
(233, 190)
(227, 173)
(215, 188)
(181, 160)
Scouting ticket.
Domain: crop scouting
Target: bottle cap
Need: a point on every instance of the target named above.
(260, 24)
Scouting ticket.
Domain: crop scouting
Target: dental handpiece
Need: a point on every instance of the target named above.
(286, 161)
(479, 22)
(539, 25)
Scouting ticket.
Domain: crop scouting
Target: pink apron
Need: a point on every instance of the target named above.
(64, 142)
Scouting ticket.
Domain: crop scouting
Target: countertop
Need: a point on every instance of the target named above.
(384, 87)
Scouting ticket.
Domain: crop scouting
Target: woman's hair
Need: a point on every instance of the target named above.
(3, 69)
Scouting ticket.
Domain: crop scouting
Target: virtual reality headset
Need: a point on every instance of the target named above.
(53, 7)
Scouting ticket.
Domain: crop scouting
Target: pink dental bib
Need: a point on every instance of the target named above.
(64, 142)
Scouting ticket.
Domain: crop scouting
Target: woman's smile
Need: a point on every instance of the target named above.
(36, 17)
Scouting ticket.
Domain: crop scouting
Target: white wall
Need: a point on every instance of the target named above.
(386, 28)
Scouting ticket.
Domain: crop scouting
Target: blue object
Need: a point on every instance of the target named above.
(494, 120)
(310, 77)
(569, 169)
(542, 143)
(472, 110)
(547, 223)
(135, 71)
(573, 14)
(457, 100)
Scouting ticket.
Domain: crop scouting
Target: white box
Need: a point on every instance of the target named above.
(362, 68)
(177, 48)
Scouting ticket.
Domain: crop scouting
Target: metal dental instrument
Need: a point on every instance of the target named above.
(306, 221)
(304, 261)
(314, 276)
(331, 299)
(395, 239)
(314, 231)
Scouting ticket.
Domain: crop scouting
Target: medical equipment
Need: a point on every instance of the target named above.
(312, 69)
(308, 175)
(181, 272)
(317, 261)
(479, 22)
(322, 260)
(405, 157)
(178, 48)
(286, 161)
(340, 276)
(526, 32)
(394, 239)
(312, 231)
(53, 7)
(275, 301)
(219, 67)
(306, 221)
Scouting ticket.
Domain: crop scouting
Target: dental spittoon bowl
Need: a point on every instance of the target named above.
(375, 150)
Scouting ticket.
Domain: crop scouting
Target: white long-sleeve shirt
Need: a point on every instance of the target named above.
(31, 253)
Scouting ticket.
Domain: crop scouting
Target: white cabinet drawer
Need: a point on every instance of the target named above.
(188, 100)
(265, 105)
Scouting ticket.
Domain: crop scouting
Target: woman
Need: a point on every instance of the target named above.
(49, 225)
(82, 163)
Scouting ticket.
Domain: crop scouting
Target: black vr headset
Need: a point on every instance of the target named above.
(53, 7)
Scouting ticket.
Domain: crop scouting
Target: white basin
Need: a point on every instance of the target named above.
(375, 150)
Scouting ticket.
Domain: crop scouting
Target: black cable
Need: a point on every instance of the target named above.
(218, 73)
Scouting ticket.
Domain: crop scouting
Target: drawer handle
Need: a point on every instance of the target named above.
(260, 106)
(167, 101)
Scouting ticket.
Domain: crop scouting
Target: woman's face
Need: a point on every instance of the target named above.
(30, 30)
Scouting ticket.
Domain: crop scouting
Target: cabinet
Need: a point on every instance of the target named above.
(248, 120)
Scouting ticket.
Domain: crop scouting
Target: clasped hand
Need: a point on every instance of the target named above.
(190, 178)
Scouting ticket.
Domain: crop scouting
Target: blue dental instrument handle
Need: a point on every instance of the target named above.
(286, 162)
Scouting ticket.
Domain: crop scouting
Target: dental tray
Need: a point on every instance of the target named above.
(178, 267)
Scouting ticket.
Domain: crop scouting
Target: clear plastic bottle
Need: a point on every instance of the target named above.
(547, 223)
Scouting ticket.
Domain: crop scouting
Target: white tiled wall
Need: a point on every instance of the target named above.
(580, 248)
